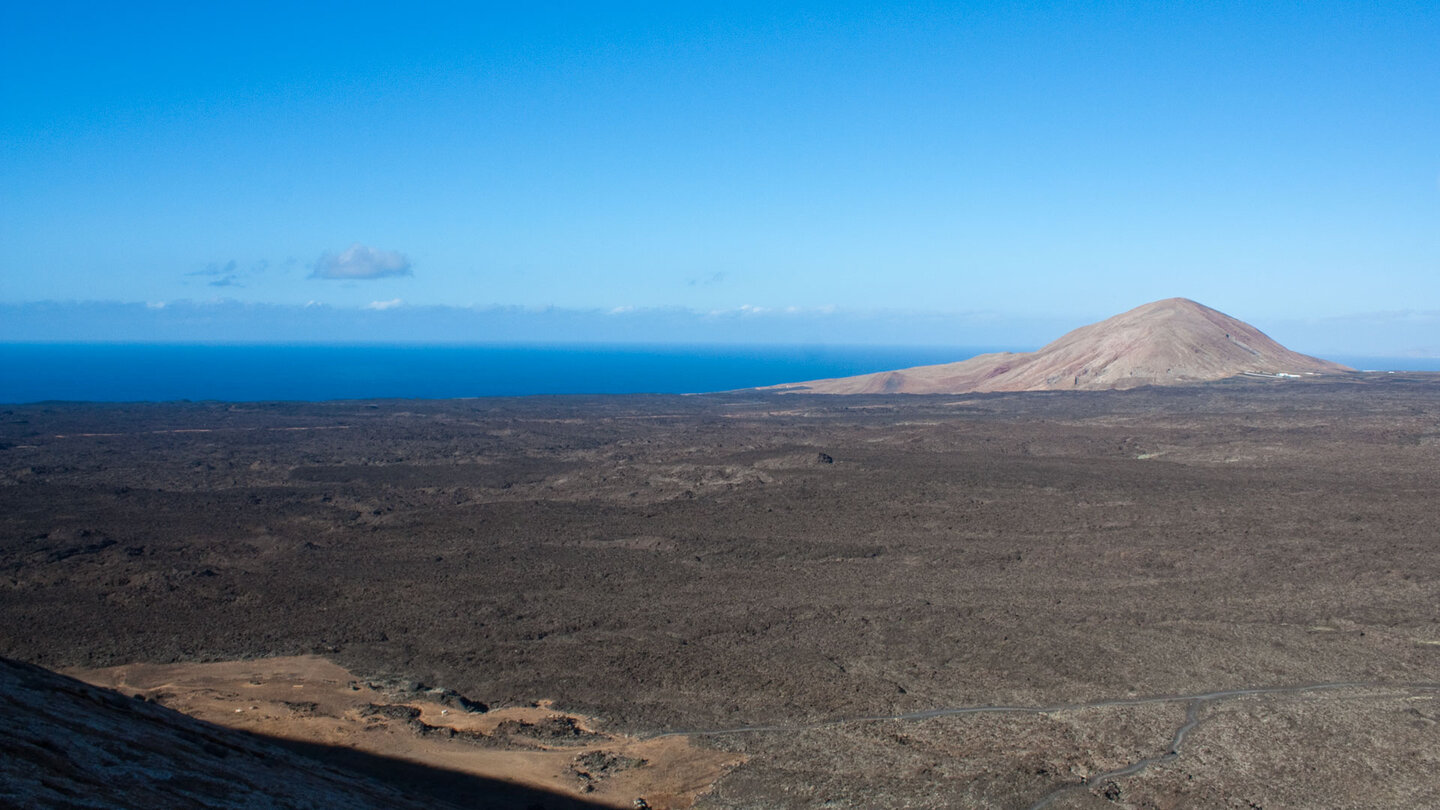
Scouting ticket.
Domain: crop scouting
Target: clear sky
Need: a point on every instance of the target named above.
(1277, 161)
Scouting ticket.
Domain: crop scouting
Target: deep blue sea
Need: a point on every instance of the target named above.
(160, 372)
(1388, 363)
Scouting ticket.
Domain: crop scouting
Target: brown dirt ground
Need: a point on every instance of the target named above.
(311, 699)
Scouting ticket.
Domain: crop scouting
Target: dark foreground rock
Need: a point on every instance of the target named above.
(67, 744)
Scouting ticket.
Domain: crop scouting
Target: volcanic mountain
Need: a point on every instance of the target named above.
(1167, 342)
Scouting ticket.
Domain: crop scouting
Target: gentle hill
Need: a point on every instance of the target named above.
(1166, 342)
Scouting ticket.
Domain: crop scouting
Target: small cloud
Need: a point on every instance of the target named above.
(229, 274)
(217, 269)
(361, 262)
(705, 281)
(621, 310)
(384, 305)
(155, 305)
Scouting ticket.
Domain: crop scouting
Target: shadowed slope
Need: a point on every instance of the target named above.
(65, 743)
(1162, 343)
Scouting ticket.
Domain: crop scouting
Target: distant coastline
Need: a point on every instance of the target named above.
(129, 372)
(1363, 363)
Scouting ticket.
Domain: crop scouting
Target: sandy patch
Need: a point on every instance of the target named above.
(312, 699)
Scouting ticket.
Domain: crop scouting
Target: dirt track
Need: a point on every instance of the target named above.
(710, 562)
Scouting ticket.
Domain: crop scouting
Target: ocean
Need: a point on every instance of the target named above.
(105, 372)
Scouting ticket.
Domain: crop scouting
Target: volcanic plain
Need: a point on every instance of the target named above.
(1211, 595)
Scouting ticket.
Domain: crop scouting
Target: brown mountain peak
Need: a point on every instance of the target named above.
(1165, 342)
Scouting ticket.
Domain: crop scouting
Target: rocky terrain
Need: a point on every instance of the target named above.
(1217, 595)
(1171, 342)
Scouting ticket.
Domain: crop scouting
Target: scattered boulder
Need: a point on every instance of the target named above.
(391, 711)
(554, 730)
(595, 766)
(455, 700)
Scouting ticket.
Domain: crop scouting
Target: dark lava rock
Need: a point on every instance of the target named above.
(67, 744)
(393, 711)
(64, 743)
(549, 730)
(455, 700)
(597, 765)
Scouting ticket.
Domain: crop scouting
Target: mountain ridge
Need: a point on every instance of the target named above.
(1168, 342)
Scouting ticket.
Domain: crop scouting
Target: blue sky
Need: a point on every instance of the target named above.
(1032, 161)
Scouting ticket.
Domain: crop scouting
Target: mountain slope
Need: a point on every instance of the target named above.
(1161, 343)
(67, 744)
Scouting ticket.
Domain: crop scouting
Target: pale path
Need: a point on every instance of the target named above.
(1192, 718)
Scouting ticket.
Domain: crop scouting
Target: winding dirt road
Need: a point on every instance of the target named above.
(1196, 703)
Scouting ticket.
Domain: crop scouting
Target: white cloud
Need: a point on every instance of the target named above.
(361, 262)
(777, 311)
(384, 305)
